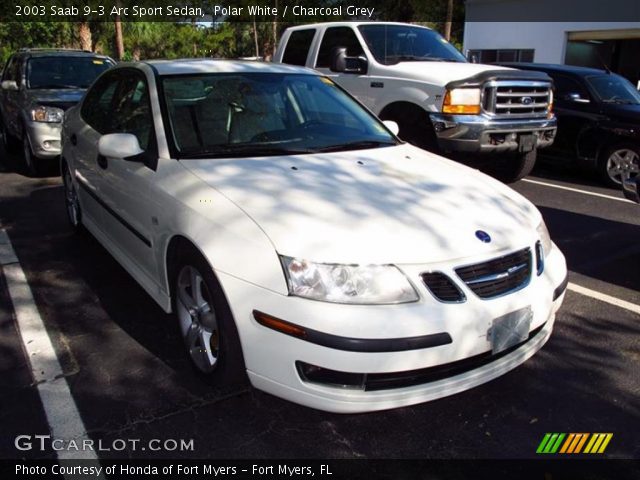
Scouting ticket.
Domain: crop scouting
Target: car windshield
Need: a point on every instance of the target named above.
(614, 89)
(391, 44)
(262, 114)
(62, 72)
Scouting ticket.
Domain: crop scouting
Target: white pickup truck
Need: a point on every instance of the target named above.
(495, 116)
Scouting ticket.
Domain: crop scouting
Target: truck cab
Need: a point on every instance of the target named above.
(496, 117)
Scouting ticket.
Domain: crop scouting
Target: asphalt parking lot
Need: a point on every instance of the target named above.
(122, 356)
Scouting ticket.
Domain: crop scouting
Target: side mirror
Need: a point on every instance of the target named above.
(391, 125)
(9, 85)
(340, 62)
(631, 188)
(120, 145)
(575, 97)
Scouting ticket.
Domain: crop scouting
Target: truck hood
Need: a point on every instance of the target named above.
(388, 205)
(62, 97)
(441, 73)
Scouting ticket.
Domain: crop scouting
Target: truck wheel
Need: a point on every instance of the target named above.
(415, 125)
(8, 142)
(30, 160)
(511, 168)
(618, 161)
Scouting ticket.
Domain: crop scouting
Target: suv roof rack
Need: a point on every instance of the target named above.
(54, 50)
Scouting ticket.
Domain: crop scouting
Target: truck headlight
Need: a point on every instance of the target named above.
(355, 284)
(47, 114)
(545, 238)
(462, 100)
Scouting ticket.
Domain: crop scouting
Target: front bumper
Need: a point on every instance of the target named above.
(485, 134)
(44, 139)
(271, 357)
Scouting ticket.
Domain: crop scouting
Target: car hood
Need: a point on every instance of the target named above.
(56, 96)
(629, 113)
(387, 205)
(440, 73)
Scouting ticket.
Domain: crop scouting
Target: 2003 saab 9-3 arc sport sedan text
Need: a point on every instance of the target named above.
(299, 242)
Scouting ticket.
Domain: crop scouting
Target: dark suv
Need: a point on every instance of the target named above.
(38, 85)
(598, 119)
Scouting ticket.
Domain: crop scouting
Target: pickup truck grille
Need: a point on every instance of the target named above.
(517, 99)
(498, 276)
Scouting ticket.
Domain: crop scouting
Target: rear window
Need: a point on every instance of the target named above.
(298, 47)
(64, 71)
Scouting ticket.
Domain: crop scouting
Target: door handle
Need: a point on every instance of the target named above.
(74, 139)
(102, 162)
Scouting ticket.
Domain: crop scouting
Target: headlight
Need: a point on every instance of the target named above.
(356, 284)
(47, 114)
(545, 239)
(462, 100)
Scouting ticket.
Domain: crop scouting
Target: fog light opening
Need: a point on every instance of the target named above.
(330, 378)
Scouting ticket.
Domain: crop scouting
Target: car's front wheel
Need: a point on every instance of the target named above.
(72, 203)
(204, 317)
(8, 142)
(30, 160)
(617, 162)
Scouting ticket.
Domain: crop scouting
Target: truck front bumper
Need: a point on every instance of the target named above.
(44, 139)
(485, 134)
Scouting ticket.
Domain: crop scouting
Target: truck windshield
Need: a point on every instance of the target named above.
(263, 114)
(56, 72)
(391, 44)
(614, 89)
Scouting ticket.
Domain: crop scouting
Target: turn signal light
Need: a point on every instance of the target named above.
(279, 325)
(459, 108)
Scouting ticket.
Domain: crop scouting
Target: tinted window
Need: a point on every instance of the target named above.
(132, 110)
(614, 89)
(97, 108)
(337, 37)
(64, 71)
(298, 47)
(565, 86)
(12, 70)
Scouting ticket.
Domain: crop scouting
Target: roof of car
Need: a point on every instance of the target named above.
(58, 52)
(194, 65)
(551, 67)
(352, 23)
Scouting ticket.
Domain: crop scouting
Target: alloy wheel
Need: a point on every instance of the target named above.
(198, 321)
(71, 198)
(621, 163)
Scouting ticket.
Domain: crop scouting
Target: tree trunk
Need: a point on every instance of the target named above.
(255, 37)
(448, 20)
(119, 39)
(84, 33)
(275, 32)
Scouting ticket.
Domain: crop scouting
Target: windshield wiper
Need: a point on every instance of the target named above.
(55, 87)
(241, 150)
(622, 102)
(358, 145)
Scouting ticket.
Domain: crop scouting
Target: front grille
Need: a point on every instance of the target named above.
(498, 276)
(442, 287)
(517, 99)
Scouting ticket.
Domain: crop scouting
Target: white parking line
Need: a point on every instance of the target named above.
(577, 190)
(632, 307)
(59, 407)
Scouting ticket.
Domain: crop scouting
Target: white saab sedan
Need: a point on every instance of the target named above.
(299, 242)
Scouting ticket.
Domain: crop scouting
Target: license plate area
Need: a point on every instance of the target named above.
(510, 329)
(526, 142)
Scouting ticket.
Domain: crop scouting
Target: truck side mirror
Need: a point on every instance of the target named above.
(575, 97)
(340, 62)
(9, 85)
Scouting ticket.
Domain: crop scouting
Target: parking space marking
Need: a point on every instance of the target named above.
(59, 406)
(577, 190)
(632, 307)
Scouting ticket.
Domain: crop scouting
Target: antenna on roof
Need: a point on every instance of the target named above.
(604, 64)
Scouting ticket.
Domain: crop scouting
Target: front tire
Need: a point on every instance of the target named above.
(511, 168)
(414, 125)
(206, 323)
(617, 162)
(71, 200)
(8, 142)
(30, 160)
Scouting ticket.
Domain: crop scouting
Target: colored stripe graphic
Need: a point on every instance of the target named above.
(573, 443)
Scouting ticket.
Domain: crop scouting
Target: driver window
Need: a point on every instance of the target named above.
(132, 112)
(337, 37)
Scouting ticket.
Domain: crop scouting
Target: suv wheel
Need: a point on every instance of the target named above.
(619, 161)
(30, 159)
(74, 212)
(8, 142)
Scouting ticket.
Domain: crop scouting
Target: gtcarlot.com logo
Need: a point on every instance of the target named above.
(572, 443)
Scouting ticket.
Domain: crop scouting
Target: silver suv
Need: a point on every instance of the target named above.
(38, 85)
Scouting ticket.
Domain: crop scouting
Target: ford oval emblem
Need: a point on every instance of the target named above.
(483, 236)
(527, 100)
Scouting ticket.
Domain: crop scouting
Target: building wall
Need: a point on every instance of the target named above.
(549, 39)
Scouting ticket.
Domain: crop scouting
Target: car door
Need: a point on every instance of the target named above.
(84, 131)
(355, 83)
(11, 98)
(126, 185)
(576, 112)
